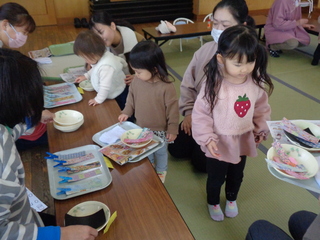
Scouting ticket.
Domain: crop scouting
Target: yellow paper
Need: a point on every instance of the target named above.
(108, 163)
(112, 218)
(80, 90)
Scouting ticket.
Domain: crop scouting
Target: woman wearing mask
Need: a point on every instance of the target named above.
(119, 36)
(226, 13)
(15, 25)
(21, 104)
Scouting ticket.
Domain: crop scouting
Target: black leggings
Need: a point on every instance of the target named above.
(220, 172)
(186, 147)
(122, 98)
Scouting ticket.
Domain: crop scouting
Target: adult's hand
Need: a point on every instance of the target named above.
(302, 21)
(78, 232)
(186, 124)
(309, 26)
(47, 116)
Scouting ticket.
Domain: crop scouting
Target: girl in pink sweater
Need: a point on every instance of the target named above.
(230, 113)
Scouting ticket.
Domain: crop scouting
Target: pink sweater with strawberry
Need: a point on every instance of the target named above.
(239, 115)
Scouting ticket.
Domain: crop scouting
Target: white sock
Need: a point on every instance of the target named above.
(215, 212)
(231, 209)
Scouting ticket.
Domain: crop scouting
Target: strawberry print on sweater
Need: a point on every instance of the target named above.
(242, 105)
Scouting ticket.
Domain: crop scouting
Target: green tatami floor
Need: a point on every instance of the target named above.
(262, 196)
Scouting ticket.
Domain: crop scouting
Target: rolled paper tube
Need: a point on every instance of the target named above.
(94, 220)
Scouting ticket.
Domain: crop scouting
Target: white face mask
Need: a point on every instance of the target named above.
(215, 33)
(19, 41)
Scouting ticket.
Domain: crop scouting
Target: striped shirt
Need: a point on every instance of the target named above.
(17, 219)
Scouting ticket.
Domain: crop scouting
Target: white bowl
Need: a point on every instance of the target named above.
(303, 125)
(88, 208)
(133, 134)
(68, 117)
(301, 155)
(86, 85)
(68, 128)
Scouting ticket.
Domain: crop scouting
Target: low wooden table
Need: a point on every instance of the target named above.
(183, 31)
(144, 207)
(260, 21)
(314, 31)
(52, 71)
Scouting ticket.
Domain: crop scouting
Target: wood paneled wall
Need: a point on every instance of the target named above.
(66, 11)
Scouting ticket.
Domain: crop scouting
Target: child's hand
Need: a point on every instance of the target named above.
(128, 79)
(93, 102)
(123, 117)
(258, 139)
(80, 79)
(212, 147)
(47, 116)
(171, 137)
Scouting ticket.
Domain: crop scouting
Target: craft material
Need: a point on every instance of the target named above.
(92, 213)
(90, 184)
(283, 157)
(112, 218)
(298, 132)
(121, 153)
(65, 156)
(112, 136)
(80, 176)
(94, 220)
(60, 94)
(80, 168)
(75, 160)
(298, 175)
(283, 166)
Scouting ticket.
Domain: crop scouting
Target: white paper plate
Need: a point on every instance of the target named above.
(89, 208)
(86, 85)
(133, 134)
(301, 155)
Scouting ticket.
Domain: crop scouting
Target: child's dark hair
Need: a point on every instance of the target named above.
(238, 9)
(17, 16)
(103, 17)
(148, 55)
(237, 41)
(89, 44)
(21, 89)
